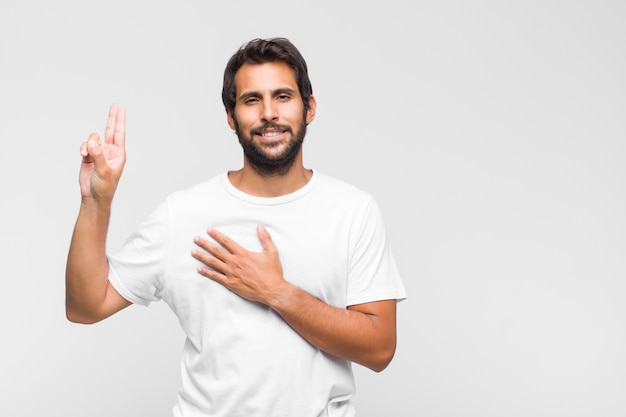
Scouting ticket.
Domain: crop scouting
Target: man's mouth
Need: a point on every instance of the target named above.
(271, 131)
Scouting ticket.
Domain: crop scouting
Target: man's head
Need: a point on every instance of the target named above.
(263, 95)
(260, 51)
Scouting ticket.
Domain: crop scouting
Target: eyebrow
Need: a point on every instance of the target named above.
(276, 92)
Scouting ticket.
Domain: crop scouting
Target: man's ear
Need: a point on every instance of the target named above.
(230, 120)
(310, 113)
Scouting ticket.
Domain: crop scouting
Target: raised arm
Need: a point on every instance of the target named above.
(89, 296)
(363, 333)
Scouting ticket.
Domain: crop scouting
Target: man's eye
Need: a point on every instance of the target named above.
(283, 97)
(251, 100)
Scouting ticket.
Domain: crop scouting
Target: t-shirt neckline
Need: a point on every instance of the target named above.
(269, 201)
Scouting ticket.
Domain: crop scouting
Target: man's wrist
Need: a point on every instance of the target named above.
(95, 206)
(285, 297)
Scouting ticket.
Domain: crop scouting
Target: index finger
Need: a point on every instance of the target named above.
(225, 241)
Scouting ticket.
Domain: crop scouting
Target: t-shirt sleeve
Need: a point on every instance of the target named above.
(373, 274)
(136, 270)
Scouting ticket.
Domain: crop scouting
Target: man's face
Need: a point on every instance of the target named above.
(269, 116)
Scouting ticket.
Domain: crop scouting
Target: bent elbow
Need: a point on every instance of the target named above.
(74, 315)
(78, 319)
(382, 358)
(383, 361)
(75, 318)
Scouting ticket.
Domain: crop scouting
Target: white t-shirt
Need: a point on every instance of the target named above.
(240, 357)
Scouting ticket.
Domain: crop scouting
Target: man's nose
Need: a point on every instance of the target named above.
(270, 111)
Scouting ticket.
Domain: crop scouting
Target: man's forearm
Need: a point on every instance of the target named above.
(364, 334)
(87, 267)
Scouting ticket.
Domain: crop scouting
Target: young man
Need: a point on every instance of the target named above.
(280, 276)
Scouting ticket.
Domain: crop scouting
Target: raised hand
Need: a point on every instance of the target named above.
(103, 163)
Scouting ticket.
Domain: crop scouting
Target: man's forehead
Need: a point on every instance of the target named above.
(267, 76)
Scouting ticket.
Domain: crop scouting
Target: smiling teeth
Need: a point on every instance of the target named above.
(270, 134)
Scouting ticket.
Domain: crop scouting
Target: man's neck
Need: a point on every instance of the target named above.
(251, 182)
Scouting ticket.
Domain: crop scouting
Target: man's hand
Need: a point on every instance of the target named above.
(255, 276)
(103, 164)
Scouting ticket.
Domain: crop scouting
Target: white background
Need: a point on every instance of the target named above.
(491, 133)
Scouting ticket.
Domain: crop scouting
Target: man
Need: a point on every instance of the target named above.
(280, 276)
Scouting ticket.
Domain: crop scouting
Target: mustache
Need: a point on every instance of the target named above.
(275, 126)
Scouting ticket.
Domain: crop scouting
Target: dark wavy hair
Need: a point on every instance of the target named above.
(261, 51)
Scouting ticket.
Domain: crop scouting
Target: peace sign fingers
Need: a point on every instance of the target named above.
(115, 131)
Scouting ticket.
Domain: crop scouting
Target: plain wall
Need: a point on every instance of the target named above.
(491, 133)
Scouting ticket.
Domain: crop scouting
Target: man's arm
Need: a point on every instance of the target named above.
(363, 333)
(89, 295)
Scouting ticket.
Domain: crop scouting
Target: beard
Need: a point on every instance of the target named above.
(263, 161)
